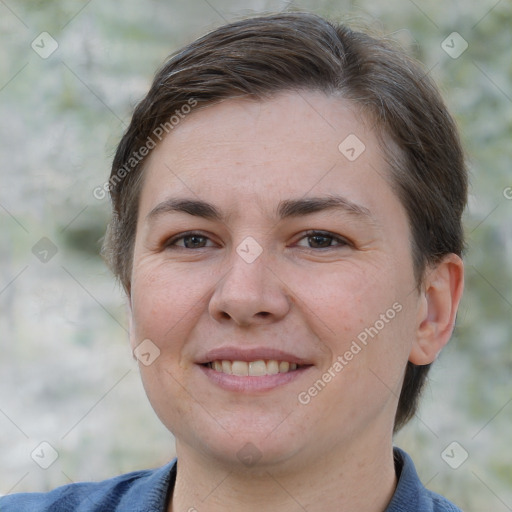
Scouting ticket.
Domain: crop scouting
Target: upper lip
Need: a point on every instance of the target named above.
(250, 354)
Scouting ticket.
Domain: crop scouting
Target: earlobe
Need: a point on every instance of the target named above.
(440, 297)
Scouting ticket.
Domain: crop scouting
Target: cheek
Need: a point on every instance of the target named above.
(361, 315)
(165, 307)
(345, 300)
(166, 300)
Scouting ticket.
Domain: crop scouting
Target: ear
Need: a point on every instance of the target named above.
(439, 300)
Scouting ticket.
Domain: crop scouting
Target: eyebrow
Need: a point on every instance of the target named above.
(286, 208)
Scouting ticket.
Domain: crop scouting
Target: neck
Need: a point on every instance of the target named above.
(361, 477)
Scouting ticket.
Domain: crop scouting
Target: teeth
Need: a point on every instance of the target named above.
(284, 366)
(225, 367)
(240, 368)
(257, 368)
(253, 368)
(273, 367)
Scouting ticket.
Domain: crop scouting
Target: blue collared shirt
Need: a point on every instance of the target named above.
(150, 491)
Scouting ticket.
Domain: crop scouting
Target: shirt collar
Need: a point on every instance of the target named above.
(154, 493)
(151, 493)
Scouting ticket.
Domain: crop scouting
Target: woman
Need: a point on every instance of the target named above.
(286, 224)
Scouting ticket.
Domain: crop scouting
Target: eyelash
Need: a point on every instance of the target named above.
(342, 242)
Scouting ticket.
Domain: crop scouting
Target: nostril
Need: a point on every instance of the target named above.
(263, 314)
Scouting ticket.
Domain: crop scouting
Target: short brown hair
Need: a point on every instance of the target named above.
(261, 56)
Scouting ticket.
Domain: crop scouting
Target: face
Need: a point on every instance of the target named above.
(273, 276)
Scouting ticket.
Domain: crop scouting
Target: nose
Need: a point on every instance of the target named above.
(250, 293)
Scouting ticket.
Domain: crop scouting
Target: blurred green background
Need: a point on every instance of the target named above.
(66, 369)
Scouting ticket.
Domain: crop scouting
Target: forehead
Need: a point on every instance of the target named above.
(254, 153)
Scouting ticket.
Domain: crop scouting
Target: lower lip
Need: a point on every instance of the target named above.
(252, 384)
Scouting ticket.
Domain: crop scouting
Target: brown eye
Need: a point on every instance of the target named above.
(317, 241)
(188, 241)
(323, 240)
(194, 241)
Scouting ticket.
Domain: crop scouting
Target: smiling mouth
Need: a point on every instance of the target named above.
(257, 368)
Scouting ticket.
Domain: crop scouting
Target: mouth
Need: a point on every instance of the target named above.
(252, 370)
(258, 368)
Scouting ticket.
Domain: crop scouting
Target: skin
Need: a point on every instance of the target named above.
(308, 296)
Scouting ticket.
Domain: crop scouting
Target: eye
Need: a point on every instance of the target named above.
(323, 240)
(189, 240)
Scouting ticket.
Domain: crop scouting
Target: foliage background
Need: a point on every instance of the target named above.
(66, 369)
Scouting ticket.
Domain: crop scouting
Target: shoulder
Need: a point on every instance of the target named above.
(410, 494)
(139, 491)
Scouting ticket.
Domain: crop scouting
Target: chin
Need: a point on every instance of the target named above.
(250, 442)
(261, 454)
